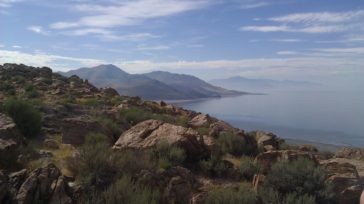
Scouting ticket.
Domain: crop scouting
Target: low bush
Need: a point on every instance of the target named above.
(25, 116)
(233, 144)
(248, 168)
(300, 177)
(124, 191)
(167, 155)
(244, 195)
(214, 166)
(112, 127)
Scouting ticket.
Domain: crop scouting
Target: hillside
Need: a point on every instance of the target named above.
(153, 86)
(64, 141)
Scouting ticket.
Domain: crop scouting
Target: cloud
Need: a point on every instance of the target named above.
(7, 3)
(38, 29)
(128, 13)
(265, 28)
(254, 5)
(288, 40)
(312, 23)
(287, 53)
(1, 46)
(320, 17)
(157, 47)
(40, 59)
(16, 46)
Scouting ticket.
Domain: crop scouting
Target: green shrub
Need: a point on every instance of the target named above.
(244, 195)
(27, 118)
(302, 177)
(7, 88)
(294, 198)
(248, 168)
(214, 166)
(125, 191)
(167, 155)
(203, 130)
(232, 144)
(134, 115)
(114, 129)
(99, 166)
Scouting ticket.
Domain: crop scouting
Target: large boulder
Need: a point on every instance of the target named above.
(267, 141)
(44, 184)
(221, 126)
(346, 181)
(351, 153)
(149, 133)
(10, 139)
(267, 159)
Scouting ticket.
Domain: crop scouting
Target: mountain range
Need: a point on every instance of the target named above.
(242, 83)
(157, 85)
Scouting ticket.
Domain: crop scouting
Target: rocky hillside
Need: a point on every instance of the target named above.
(153, 86)
(62, 140)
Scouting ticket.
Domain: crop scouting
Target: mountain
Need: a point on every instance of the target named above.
(154, 85)
(242, 83)
(188, 84)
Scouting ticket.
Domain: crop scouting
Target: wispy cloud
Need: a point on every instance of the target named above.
(128, 13)
(38, 29)
(16, 46)
(287, 53)
(319, 22)
(7, 3)
(288, 40)
(42, 59)
(155, 48)
(254, 5)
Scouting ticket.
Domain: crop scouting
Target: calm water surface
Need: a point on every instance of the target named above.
(322, 116)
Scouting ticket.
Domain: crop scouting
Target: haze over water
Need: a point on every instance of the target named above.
(328, 117)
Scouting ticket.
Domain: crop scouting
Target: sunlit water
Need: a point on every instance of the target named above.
(322, 116)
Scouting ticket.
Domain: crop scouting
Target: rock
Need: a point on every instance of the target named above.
(200, 120)
(268, 141)
(44, 184)
(162, 103)
(45, 154)
(74, 130)
(199, 198)
(351, 153)
(17, 178)
(220, 126)
(346, 181)
(362, 198)
(267, 159)
(149, 133)
(110, 92)
(8, 129)
(50, 144)
(258, 181)
(308, 148)
(3, 186)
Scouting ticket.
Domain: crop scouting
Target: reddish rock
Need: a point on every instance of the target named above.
(149, 133)
(200, 120)
(351, 153)
(268, 141)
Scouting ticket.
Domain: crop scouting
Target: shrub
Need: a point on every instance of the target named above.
(167, 155)
(99, 166)
(294, 198)
(134, 115)
(244, 195)
(125, 191)
(248, 168)
(302, 177)
(27, 118)
(214, 166)
(114, 129)
(7, 88)
(203, 130)
(232, 144)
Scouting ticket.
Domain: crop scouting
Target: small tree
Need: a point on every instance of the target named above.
(25, 116)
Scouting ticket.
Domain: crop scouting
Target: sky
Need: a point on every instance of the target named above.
(313, 40)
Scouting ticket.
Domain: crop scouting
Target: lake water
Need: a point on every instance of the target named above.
(322, 117)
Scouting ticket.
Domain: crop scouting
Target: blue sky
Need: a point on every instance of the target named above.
(280, 39)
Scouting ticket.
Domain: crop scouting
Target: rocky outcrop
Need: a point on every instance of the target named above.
(308, 148)
(267, 141)
(220, 126)
(175, 184)
(267, 159)
(44, 184)
(351, 153)
(10, 138)
(74, 130)
(200, 120)
(149, 133)
(346, 181)
(110, 92)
